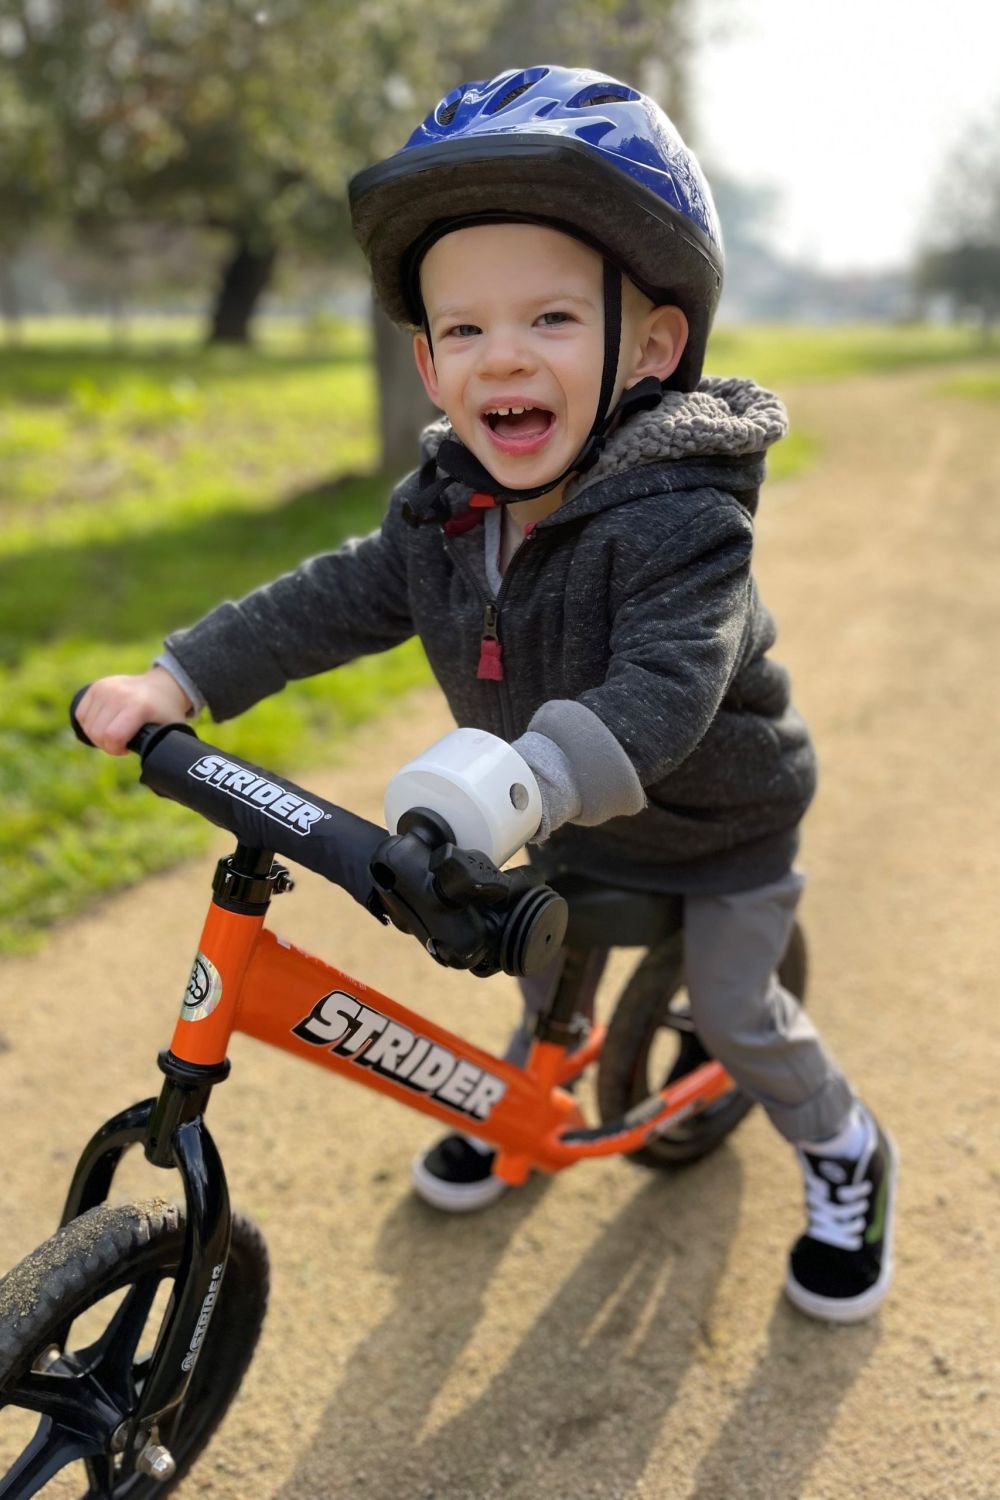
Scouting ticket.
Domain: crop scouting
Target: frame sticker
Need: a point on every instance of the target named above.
(341, 1023)
(204, 990)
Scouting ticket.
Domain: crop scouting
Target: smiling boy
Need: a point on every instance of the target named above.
(575, 554)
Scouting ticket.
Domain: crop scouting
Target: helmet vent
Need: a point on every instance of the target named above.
(450, 111)
(509, 97)
(601, 94)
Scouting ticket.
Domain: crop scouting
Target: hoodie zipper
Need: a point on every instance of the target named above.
(490, 667)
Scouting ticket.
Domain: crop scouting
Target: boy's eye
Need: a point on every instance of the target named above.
(462, 330)
(560, 317)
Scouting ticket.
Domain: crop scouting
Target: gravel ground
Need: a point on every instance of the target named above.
(613, 1333)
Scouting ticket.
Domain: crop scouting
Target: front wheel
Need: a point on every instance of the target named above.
(78, 1322)
(651, 1042)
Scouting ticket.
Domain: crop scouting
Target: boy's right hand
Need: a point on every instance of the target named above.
(114, 709)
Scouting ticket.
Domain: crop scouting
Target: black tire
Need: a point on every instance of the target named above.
(652, 1006)
(137, 1246)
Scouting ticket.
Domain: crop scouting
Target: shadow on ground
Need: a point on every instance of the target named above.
(591, 1379)
(806, 1370)
(591, 1382)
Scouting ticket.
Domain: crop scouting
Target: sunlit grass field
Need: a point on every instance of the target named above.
(147, 479)
(778, 355)
(143, 484)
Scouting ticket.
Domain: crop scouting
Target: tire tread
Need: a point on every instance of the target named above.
(89, 1257)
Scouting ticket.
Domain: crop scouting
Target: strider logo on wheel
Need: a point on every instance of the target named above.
(204, 1318)
(353, 1030)
(273, 801)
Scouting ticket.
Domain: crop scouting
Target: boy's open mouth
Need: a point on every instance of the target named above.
(518, 429)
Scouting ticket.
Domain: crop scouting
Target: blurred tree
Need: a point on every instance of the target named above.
(961, 258)
(242, 116)
(246, 117)
(29, 161)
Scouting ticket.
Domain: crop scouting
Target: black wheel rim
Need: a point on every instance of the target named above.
(82, 1396)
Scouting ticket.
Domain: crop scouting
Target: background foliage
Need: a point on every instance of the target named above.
(246, 117)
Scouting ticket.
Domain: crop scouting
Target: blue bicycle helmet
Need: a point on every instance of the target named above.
(567, 147)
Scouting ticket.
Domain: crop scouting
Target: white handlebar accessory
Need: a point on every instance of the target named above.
(485, 791)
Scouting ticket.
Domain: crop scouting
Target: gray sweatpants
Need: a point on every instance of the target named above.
(756, 1029)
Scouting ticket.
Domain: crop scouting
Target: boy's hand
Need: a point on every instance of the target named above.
(114, 709)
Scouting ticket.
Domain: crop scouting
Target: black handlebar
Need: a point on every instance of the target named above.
(262, 809)
(460, 907)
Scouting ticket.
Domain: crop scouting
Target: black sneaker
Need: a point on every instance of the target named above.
(841, 1268)
(456, 1175)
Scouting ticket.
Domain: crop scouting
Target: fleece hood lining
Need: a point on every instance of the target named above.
(727, 416)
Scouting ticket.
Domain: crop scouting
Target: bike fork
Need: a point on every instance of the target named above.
(173, 1132)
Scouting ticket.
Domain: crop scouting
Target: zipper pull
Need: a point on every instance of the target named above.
(490, 667)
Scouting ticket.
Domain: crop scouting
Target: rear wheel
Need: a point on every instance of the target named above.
(78, 1322)
(651, 1042)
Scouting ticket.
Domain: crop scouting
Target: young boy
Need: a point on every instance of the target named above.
(575, 555)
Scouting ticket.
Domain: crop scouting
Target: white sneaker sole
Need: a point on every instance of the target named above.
(454, 1197)
(854, 1309)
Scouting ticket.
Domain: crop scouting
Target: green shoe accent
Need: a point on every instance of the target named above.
(876, 1228)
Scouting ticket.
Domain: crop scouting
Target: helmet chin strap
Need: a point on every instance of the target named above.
(454, 461)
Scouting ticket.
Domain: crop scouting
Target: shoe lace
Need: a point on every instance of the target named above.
(840, 1220)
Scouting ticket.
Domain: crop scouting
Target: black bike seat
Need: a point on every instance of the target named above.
(604, 916)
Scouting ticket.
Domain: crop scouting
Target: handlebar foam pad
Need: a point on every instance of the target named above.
(263, 810)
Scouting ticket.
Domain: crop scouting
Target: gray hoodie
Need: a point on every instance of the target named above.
(624, 650)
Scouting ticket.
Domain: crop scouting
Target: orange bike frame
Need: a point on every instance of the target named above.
(246, 979)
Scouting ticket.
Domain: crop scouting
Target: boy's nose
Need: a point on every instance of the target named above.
(504, 354)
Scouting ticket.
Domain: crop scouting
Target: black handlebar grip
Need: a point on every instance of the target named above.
(144, 737)
(74, 721)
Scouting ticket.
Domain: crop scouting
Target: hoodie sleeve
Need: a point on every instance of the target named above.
(327, 611)
(676, 640)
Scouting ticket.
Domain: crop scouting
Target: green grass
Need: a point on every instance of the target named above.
(781, 354)
(143, 485)
(146, 480)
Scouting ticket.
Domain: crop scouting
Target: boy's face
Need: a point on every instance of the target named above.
(516, 314)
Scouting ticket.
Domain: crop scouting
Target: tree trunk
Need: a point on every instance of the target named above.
(9, 302)
(244, 279)
(403, 406)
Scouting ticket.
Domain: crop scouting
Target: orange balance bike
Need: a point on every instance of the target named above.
(127, 1409)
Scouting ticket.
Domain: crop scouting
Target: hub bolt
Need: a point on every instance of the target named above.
(156, 1461)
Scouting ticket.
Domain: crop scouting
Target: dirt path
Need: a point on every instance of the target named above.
(613, 1334)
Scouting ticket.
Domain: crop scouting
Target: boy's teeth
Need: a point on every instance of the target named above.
(508, 411)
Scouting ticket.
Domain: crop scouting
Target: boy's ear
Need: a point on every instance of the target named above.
(425, 367)
(662, 337)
